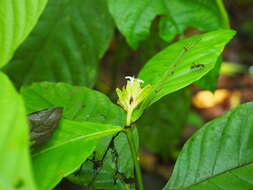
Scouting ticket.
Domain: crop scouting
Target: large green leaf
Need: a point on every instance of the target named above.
(134, 17)
(160, 128)
(17, 19)
(219, 155)
(69, 147)
(66, 44)
(182, 63)
(83, 104)
(15, 169)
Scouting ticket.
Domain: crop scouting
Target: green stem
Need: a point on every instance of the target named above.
(129, 117)
(224, 14)
(135, 157)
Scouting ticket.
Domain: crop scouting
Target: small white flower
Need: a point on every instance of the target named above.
(132, 95)
(132, 79)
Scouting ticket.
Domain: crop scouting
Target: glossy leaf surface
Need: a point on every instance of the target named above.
(219, 155)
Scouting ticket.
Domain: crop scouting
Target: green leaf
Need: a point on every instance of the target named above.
(69, 147)
(134, 17)
(182, 63)
(66, 45)
(43, 124)
(15, 159)
(84, 104)
(219, 155)
(18, 17)
(180, 14)
(160, 129)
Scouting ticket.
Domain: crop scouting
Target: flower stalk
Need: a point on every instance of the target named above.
(130, 97)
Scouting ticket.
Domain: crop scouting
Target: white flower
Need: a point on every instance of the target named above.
(132, 79)
(131, 95)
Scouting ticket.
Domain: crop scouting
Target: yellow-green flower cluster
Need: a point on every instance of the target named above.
(132, 95)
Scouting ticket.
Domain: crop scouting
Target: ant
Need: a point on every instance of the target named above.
(195, 66)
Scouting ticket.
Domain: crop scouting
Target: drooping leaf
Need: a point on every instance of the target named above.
(15, 170)
(71, 144)
(83, 104)
(219, 155)
(43, 124)
(134, 17)
(182, 63)
(66, 45)
(18, 17)
(160, 128)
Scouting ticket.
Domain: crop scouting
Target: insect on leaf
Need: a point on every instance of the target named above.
(172, 69)
(43, 123)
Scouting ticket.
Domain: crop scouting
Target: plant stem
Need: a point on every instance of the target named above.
(224, 14)
(135, 157)
(129, 116)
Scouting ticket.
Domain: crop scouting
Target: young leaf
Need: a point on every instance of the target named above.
(219, 155)
(43, 124)
(66, 45)
(71, 144)
(15, 170)
(84, 104)
(18, 17)
(134, 17)
(182, 63)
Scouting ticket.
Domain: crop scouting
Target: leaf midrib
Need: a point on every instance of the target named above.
(89, 136)
(208, 178)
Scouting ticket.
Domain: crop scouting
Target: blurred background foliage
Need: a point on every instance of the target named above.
(78, 43)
